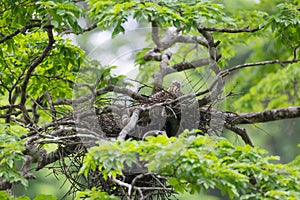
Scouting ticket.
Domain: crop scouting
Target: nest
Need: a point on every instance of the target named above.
(107, 122)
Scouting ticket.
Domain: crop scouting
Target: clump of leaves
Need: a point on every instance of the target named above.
(11, 148)
(196, 163)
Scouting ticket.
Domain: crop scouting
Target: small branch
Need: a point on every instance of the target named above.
(52, 157)
(52, 108)
(228, 30)
(74, 129)
(49, 125)
(131, 124)
(65, 139)
(10, 114)
(237, 67)
(212, 50)
(92, 27)
(109, 88)
(130, 93)
(241, 132)
(130, 187)
(154, 132)
(172, 36)
(187, 39)
(25, 28)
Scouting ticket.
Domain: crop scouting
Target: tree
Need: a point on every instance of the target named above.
(62, 109)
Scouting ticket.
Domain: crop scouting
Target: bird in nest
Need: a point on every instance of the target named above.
(172, 92)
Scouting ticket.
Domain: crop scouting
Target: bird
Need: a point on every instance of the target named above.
(175, 89)
(172, 92)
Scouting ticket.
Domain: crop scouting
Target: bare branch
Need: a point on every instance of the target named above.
(169, 40)
(109, 88)
(49, 125)
(264, 116)
(52, 157)
(258, 64)
(172, 36)
(241, 132)
(190, 65)
(228, 30)
(74, 129)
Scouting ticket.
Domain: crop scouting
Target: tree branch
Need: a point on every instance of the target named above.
(237, 67)
(241, 132)
(155, 34)
(32, 68)
(228, 30)
(90, 28)
(264, 116)
(191, 65)
(25, 28)
(109, 88)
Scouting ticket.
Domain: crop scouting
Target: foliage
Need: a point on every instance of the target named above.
(271, 91)
(199, 163)
(11, 148)
(5, 195)
(286, 24)
(112, 14)
(94, 194)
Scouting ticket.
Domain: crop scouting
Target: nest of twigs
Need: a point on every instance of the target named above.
(108, 122)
